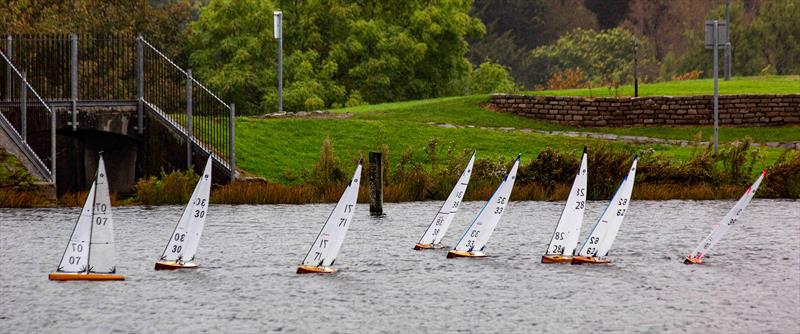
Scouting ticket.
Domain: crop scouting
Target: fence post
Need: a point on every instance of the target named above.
(140, 84)
(73, 66)
(9, 55)
(375, 184)
(189, 119)
(23, 106)
(53, 148)
(232, 140)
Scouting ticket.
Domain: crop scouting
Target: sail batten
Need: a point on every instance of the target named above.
(441, 222)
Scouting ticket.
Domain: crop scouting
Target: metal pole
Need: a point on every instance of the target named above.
(23, 106)
(232, 140)
(53, 148)
(635, 68)
(74, 79)
(189, 119)
(716, 87)
(140, 84)
(728, 45)
(280, 74)
(9, 54)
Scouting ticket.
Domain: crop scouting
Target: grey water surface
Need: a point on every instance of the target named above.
(248, 256)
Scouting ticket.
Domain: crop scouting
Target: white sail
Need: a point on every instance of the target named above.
(76, 255)
(184, 240)
(326, 247)
(729, 220)
(101, 249)
(478, 233)
(606, 228)
(438, 227)
(565, 237)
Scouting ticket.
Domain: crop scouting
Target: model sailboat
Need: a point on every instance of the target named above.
(565, 238)
(432, 239)
(474, 239)
(90, 254)
(696, 257)
(597, 244)
(322, 254)
(182, 245)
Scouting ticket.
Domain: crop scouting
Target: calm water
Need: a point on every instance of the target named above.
(248, 256)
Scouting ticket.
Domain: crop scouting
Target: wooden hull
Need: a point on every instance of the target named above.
(556, 259)
(457, 253)
(315, 270)
(173, 265)
(428, 246)
(589, 260)
(692, 260)
(85, 277)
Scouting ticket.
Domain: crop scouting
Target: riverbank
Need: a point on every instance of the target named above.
(545, 177)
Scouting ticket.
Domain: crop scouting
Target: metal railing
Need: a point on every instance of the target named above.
(67, 69)
(29, 121)
(173, 93)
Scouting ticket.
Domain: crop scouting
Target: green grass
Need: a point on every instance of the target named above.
(282, 149)
(789, 84)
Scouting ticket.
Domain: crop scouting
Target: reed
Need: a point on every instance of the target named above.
(10, 198)
(171, 188)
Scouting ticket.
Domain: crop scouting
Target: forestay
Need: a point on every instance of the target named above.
(606, 228)
(325, 248)
(101, 249)
(76, 255)
(183, 242)
(438, 227)
(729, 220)
(478, 233)
(565, 237)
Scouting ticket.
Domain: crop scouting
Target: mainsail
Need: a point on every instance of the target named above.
(326, 247)
(183, 241)
(729, 220)
(606, 228)
(91, 247)
(477, 234)
(438, 227)
(565, 237)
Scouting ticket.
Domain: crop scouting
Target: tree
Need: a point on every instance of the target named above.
(337, 51)
(603, 57)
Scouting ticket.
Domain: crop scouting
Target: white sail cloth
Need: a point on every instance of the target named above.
(605, 230)
(326, 247)
(728, 221)
(183, 242)
(565, 237)
(477, 234)
(438, 227)
(91, 246)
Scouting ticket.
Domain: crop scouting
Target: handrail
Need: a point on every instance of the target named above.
(8, 61)
(183, 71)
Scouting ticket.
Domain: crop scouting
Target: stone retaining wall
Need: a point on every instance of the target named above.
(734, 110)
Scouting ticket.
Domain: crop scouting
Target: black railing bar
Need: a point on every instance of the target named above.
(25, 81)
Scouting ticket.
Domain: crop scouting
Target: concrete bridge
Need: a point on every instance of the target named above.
(158, 119)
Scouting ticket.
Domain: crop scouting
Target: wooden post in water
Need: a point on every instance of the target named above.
(375, 184)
